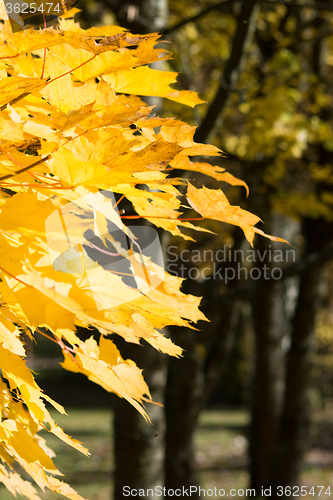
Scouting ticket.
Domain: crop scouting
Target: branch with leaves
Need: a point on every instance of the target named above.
(90, 136)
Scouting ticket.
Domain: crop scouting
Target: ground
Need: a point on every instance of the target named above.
(221, 442)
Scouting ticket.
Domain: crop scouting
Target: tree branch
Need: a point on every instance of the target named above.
(224, 6)
(245, 28)
(319, 5)
(295, 269)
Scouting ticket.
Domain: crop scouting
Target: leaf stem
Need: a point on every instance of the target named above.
(73, 69)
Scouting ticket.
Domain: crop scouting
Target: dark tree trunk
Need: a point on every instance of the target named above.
(293, 431)
(281, 407)
(191, 381)
(269, 326)
(193, 378)
(183, 396)
(296, 409)
(139, 447)
(295, 418)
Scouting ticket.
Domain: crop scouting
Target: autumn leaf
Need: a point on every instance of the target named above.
(213, 204)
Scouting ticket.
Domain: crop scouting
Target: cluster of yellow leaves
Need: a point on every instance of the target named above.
(71, 128)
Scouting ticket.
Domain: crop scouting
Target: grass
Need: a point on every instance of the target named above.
(221, 449)
(89, 476)
(221, 443)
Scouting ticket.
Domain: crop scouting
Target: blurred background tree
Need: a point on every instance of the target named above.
(264, 68)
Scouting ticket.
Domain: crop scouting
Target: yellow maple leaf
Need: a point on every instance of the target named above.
(213, 204)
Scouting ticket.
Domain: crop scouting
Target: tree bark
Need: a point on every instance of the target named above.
(139, 447)
(191, 382)
(293, 431)
(296, 409)
(184, 392)
(270, 327)
(192, 379)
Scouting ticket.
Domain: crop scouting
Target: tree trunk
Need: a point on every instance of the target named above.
(190, 387)
(139, 447)
(292, 437)
(269, 326)
(296, 409)
(183, 395)
(293, 431)
(192, 379)
(279, 427)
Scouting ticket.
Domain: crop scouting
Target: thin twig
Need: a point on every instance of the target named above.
(25, 169)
